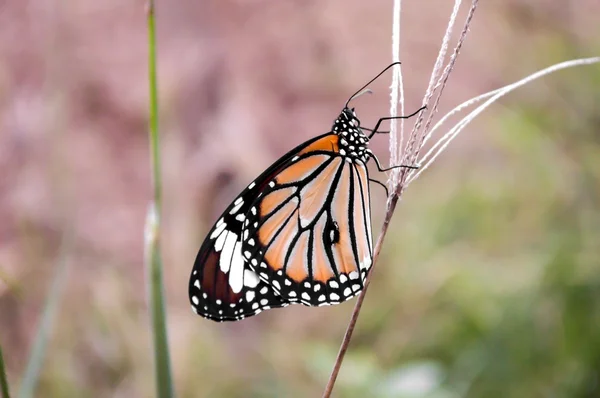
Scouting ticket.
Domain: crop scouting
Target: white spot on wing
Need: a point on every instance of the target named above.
(220, 241)
(250, 295)
(236, 275)
(250, 278)
(366, 262)
(217, 231)
(236, 208)
(227, 254)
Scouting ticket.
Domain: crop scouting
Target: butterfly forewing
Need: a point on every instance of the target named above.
(308, 233)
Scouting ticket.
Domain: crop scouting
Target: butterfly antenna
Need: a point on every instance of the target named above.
(359, 93)
(362, 90)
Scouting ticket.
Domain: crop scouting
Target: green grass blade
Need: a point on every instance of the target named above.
(162, 367)
(38, 350)
(3, 380)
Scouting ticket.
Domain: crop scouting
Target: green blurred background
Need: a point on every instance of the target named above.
(489, 280)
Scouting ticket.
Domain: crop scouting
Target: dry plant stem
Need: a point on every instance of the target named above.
(444, 78)
(431, 85)
(442, 143)
(391, 206)
(418, 138)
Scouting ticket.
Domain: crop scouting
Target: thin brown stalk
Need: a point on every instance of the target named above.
(391, 206)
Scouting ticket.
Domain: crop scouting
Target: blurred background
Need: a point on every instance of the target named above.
(489, 280)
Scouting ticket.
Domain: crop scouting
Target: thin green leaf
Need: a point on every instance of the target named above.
(162, 367)
(3, 380)
(38, 351)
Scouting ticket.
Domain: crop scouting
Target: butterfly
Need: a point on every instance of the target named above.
(299, 233)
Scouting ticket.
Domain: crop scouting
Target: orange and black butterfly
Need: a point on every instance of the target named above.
(299, 233)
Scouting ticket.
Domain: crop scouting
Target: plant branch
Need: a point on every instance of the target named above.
(493, 96)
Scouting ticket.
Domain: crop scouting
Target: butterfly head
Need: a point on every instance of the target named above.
(353, 143)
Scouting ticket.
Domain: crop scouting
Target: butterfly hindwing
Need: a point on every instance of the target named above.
(223, 287)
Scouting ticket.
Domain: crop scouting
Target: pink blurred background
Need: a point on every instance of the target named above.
(240, 82)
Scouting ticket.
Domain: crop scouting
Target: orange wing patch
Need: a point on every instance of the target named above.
(279, 246)
(327, 143)
(269, 229)
(297, 267)
(303, 168)
(314, 194)
(271, 201)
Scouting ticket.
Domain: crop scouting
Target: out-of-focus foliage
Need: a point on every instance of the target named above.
(489, 280)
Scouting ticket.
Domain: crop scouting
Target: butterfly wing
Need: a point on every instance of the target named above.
(308, 234)
(222, 286)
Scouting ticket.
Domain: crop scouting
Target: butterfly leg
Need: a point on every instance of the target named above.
(390, 168)
(382, 185)
(371, 130)
(375, 129)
